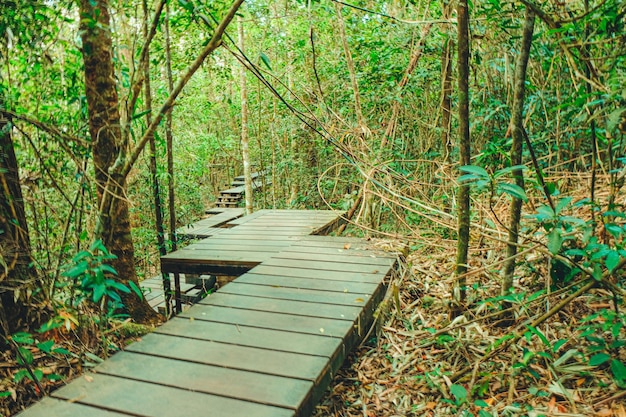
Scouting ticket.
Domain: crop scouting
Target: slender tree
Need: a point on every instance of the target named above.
(463, 198)
(156, 189)
(245, 136)
(446, 89)
(517, 132)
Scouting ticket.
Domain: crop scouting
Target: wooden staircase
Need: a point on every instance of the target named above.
(232, 197)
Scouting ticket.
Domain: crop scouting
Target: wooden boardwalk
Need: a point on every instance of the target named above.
(266, 344)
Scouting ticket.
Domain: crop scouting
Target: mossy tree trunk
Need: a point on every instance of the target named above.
(107, 147)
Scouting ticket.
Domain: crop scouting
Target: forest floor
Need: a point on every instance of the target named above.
(419, 363)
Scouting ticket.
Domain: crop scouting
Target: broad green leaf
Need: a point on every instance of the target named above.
(108, 268)
(614, 229)
(46, 346)
(562, 203)
(459, 392)
(619, 372)
(513, 190)
(476, 170)
(599, 359)
(23, 338)
(506, 170)
(612, 260)
(77, 270)
(555, 240)
(98, 293)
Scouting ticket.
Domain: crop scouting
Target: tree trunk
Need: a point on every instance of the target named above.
(156, 189)
(446, 90)
(517, 132)
(171, 198)
(114, 226)
(245, 138)
(18, 277)
(463, 225)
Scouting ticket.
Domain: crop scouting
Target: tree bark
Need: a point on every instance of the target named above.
(446, 90)
(18, 277)
(463, 225)
(156, 189)
(245, 137)
(171, 196)
(517, 132)
(106, 134)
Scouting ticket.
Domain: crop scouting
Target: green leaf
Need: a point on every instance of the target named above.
(555, 240)
(25, 357)
(540, 335)
(5, 394)
(77, 270)
(98, 293)
(619, 372)
(108, 268)
(506, 170)
(23, 338)
(599, 359)
(135, 289)
(476, 170)
(614, 229)
(612, 260)
(513, 190)
(21, 374)
(266, 61)
(459, 392)
(38, 374)
(562, 203)
(46, 346)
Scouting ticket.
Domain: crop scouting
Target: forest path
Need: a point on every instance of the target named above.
(266, 344)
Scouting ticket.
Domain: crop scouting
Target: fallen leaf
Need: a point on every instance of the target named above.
(88, 378)
(347, 246)
(604, 412)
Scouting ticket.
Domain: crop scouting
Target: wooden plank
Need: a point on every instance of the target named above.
(302, 245)
(225, 382)
(284, 271)
(153, 400)
(53, 407)
(308, 283)
(212, 257)
(318, 345)
(271, 320)
(232, 245)
(272, 362)
(225, 299)
(314, 255)
(296, 294)
(326, 266)
(266, 233)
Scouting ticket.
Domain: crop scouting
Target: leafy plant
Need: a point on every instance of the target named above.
(92, 278)
(604, 331)
(483, 181)
(24, 344)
